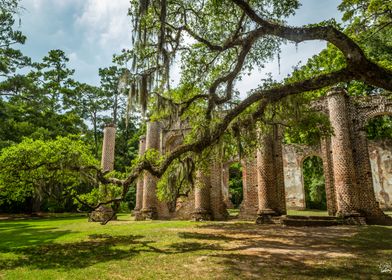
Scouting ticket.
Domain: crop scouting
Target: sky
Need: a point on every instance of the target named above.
(91, 31)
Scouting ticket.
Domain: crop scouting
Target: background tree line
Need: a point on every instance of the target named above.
(46, 115)
(41, 101)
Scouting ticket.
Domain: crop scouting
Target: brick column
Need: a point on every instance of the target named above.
(202, 197)
(218, 206)
(105, 213)
(140, 182)
(266, 180)
(278, 170)
(225, 185)
(108, 146)
(367, 199)
(342, 157)
(249, 205)
(149, 209)
(109, 141)
(328, 175)
(270, 177)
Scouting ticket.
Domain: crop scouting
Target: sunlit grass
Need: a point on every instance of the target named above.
(72, 248)
(307, 212)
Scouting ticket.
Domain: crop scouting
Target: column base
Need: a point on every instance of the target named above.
(265, 216)
(201, 215)
(149, 213)
(102, 214)
(382, 219)
(352, 218)
(138, 215)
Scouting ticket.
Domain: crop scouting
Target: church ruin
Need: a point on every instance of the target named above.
(358, 172)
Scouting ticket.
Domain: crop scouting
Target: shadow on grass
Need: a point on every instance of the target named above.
(276, 252)
(25, 245)
(204, 236)
(77, 254)
(14, 235)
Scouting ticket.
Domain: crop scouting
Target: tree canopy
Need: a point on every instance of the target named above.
(45, 113)
(214, 52)
(208, 46)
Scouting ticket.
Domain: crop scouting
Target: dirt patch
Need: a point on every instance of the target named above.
(276, 244)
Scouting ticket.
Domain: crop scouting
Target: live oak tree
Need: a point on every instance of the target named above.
(43, 170)
(216, 42)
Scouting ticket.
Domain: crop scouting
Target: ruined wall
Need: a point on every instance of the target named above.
(225, 185)
(293, 158)
(380, 153)
(250, 203)
(293, 179)
(349, 177)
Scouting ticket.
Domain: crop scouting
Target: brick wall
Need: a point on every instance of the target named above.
(275, 180)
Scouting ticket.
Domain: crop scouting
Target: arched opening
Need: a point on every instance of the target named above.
(379, 134)
(314, 183)
(235, 188)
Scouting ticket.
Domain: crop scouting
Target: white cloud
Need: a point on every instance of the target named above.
(38, 5)
(105, 22)
(91, 31)
(73, 56)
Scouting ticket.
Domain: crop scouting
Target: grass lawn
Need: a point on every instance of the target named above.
(72, 248)
(307, 212)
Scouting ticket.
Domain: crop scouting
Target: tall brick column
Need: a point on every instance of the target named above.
(105, 212)
(265, 177)
(108, 146)
(278, 169)
(202, 197)
(150, 201)
(328, 175)
(140, 183)
(367, 199)
(270, 177)
(249, 204)
(109, 141)
(342, 157)
(218, 206)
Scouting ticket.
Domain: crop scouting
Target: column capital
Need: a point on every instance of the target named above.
(336, 91)
(109, 125)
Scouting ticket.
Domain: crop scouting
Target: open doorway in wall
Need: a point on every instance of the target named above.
(379, 133)
(235, 188)
(314, 184)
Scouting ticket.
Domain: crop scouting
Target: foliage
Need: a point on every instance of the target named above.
(314, 183)
(235, 184)
(46, 170)
(176, 182)
(41, 104)
(379, 128)
(11, 59)
(42, 101)
(215, 52)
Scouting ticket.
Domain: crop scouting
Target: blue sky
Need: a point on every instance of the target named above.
(91, 31)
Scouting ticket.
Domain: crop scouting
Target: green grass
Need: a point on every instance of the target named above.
(233, 212)
(72, 248)
(307, 212)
